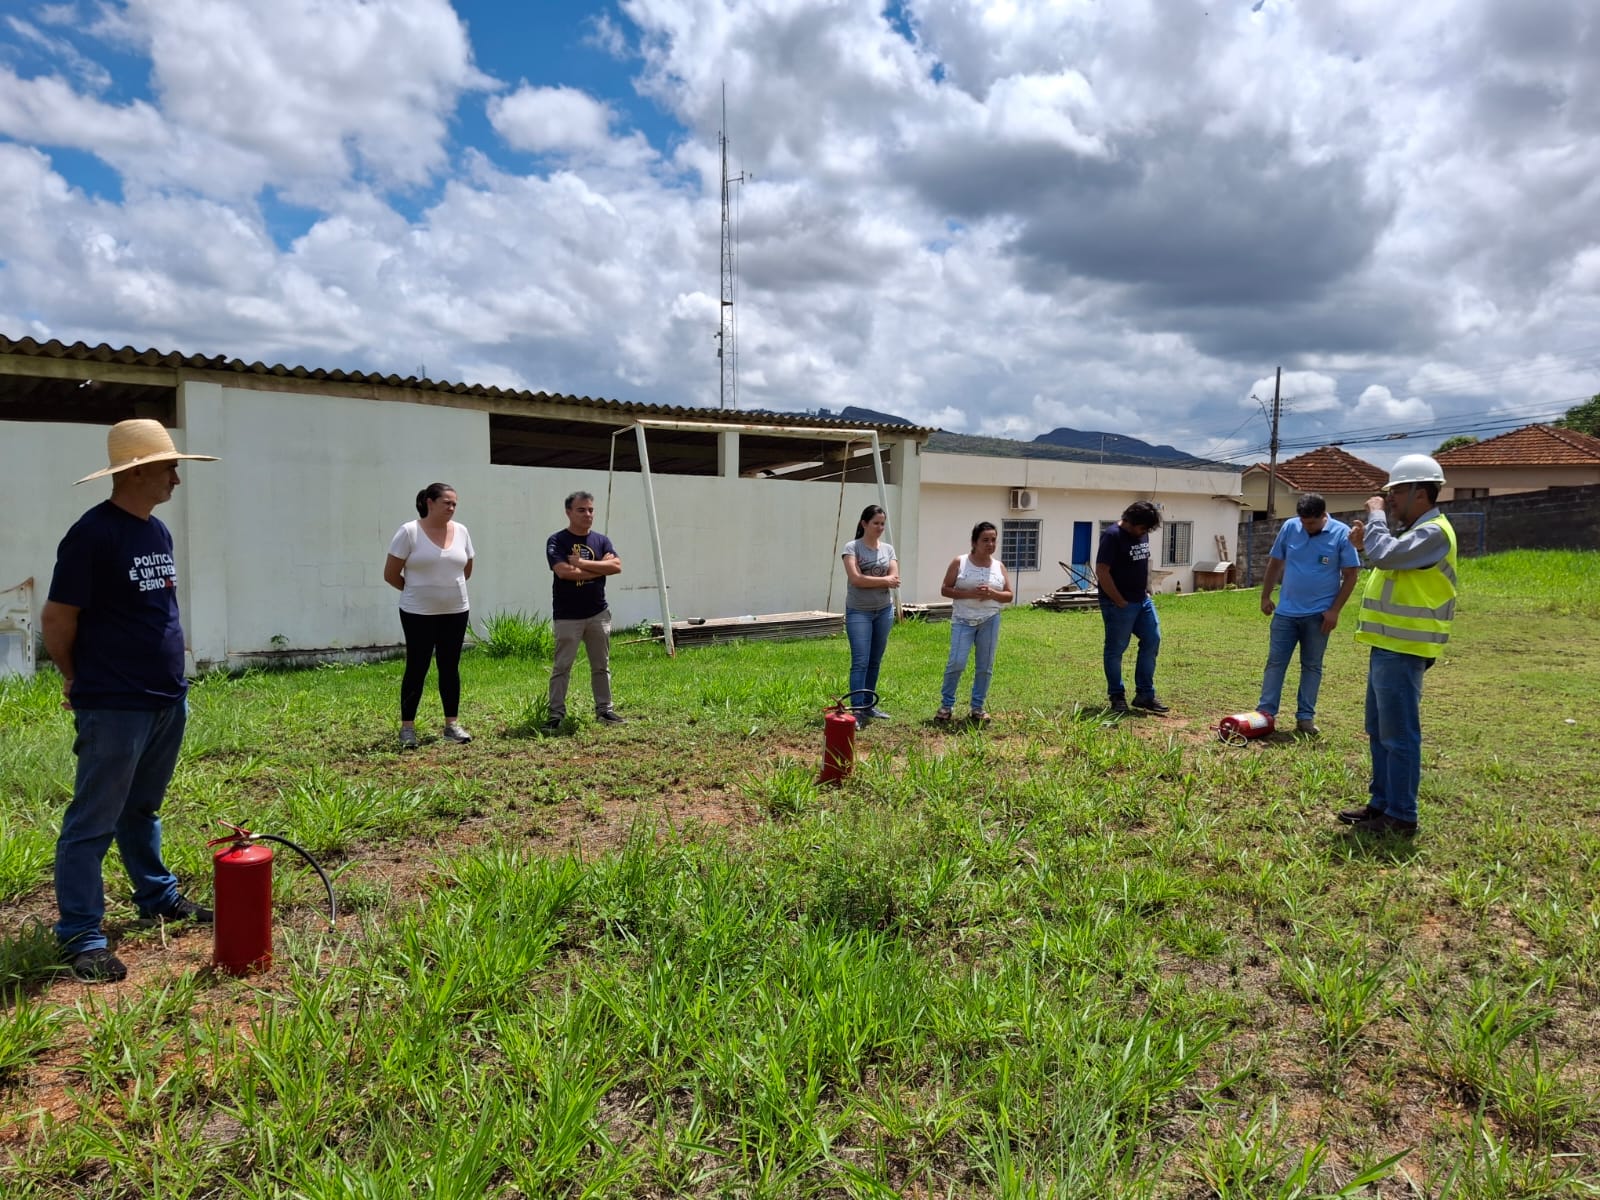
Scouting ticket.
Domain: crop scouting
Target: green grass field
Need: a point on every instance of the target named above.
(1060, 957)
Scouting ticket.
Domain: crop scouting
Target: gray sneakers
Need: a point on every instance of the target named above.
(455, 733)
(408, 739)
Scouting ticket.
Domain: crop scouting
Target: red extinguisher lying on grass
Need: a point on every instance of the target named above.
(1241, 727)
(839, 736)
(242, 875)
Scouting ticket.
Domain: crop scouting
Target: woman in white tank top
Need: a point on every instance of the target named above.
(978, 584)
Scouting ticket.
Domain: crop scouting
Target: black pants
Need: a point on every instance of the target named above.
(427, 638)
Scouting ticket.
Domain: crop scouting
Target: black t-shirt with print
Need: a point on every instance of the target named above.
(118, 570)
(574, 600)
(1128, 556)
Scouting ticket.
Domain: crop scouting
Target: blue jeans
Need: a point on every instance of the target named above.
(868, 631)
(1137, 619)
(125, 761)
(963, 637)
(1394, 730)
(1286, 634)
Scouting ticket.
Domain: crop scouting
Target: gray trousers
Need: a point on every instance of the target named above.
(595, 634)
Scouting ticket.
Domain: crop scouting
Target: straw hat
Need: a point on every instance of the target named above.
(134, 443)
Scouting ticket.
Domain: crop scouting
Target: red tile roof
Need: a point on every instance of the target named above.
(1328, 470)
(1530, 446)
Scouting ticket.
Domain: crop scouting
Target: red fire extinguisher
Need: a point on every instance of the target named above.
(242, 883)
(839, 737)
(1241, 727)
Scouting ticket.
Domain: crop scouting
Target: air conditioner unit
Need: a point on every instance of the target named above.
(1024, 499)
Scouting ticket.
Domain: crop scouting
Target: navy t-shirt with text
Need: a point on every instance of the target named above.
(1128, 556)
(573, 600)
(118, 570)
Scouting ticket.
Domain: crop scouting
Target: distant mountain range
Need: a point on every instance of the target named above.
(1114, 443)
(1070, 445)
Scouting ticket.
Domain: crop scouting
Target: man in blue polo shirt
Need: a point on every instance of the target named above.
(111, 627)
(1318, 568)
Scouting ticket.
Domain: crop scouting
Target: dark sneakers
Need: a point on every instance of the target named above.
(1352, 816)
(1151, 704)
(98, 966)
(1118, 705)
(611, 717)
(181, 909)
(1384, 823)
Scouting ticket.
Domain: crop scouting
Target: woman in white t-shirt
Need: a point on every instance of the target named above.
(430, 561)
(978, 585)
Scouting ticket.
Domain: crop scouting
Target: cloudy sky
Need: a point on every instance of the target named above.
(995, 216)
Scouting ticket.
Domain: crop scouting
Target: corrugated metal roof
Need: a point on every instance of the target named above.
(1327, 470)
(128, 356)
(1530, 446)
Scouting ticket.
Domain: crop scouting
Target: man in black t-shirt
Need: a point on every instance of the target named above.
(111, 627)
(580, 560)
(1122, 567)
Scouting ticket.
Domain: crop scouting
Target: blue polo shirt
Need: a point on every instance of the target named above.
(1311, 565)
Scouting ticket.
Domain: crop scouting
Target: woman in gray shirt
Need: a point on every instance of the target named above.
(873, 573)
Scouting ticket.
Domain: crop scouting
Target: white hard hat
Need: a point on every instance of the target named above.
(1415, 468)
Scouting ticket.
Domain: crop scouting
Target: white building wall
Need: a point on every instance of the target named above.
(41, 461)
(285, 538)
(959, 490)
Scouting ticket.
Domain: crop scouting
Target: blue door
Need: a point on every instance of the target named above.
(1082, 534)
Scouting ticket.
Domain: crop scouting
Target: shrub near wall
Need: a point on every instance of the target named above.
(1558, 518)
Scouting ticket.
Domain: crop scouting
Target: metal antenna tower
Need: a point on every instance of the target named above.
(728, 328)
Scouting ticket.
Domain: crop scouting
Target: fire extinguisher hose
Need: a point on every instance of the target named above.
(333, 905)
(849, 701)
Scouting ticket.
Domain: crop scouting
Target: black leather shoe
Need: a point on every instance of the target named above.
(182, 909)
(98, 966)
(1351, 815)
(1118, 705)
(1151, 704)
(1384, 823)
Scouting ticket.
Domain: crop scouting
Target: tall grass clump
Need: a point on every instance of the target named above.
(515, 635)
(1561, 582)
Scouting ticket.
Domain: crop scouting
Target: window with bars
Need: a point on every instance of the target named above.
(1179, 539)
(1019, 544)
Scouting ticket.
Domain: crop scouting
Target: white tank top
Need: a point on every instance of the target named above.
(968, 577)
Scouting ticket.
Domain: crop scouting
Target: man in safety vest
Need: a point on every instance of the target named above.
(1405, 617)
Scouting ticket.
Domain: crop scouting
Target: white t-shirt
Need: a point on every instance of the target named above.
(436, 580)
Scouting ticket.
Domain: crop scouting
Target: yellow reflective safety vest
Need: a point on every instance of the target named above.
(1409, 611)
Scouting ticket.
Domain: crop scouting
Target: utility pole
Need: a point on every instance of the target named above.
(727, 331)
(1272, 465)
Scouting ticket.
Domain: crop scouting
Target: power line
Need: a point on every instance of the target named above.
(1459, 422)
(1375, 435)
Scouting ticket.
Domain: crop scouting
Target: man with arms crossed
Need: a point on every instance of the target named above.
(1319, 567)
(111, 627)
(580, 560)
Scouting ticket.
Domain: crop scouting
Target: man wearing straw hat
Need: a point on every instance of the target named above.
(111, 627)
